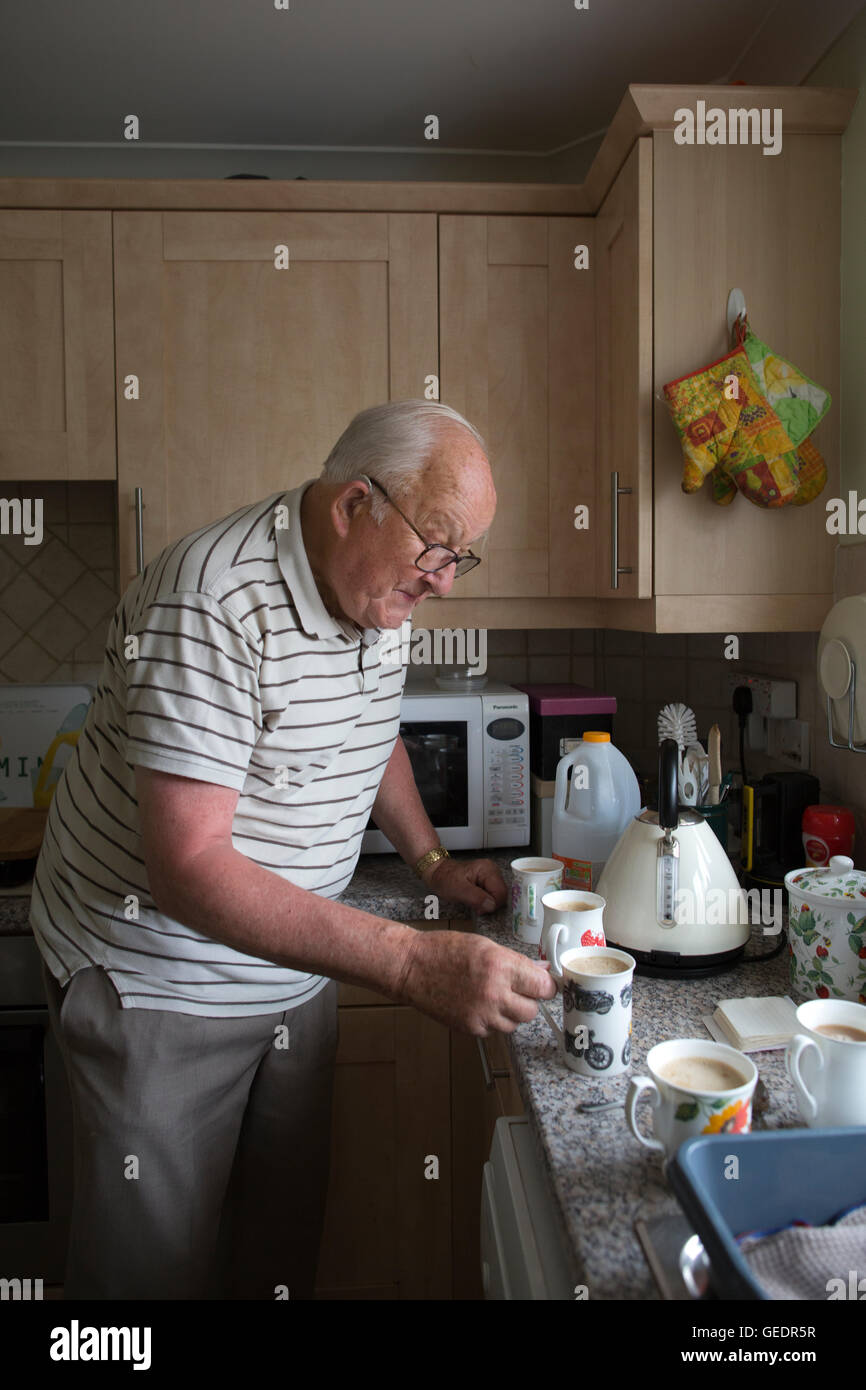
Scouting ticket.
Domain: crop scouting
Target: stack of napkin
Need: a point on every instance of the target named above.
(753, 1024)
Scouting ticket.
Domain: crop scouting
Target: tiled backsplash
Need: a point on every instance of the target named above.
(646, 671)
(57, 597)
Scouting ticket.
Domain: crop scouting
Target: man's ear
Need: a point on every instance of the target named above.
(349, 499)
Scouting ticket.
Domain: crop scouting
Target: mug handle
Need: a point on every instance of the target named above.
(636, 1085)
(556, 930)
(793, 1052)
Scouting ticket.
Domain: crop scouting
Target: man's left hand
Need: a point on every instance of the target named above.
(475, 882)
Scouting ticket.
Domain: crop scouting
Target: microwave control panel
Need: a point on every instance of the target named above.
(505, 730)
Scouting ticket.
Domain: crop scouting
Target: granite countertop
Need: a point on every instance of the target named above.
(601, 1178)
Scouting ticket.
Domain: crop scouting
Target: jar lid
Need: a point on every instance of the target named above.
(843, 813)
(838, 879)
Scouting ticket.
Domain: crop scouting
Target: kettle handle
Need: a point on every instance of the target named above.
(669, 755)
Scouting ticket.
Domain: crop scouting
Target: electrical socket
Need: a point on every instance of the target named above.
(771, 698)
(788, 740)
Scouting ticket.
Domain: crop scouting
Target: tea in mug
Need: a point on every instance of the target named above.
(598, 965)
(702, 1074)
(841, 1032)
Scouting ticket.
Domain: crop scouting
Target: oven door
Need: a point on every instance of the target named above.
(444, 743)
(36, 1128)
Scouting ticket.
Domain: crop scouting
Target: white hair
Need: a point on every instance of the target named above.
(392, 443)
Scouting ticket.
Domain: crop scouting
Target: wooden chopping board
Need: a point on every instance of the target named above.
(21, 831)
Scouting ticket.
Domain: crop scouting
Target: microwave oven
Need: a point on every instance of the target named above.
(470, 756)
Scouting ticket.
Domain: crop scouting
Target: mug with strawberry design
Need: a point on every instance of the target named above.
(572, 917)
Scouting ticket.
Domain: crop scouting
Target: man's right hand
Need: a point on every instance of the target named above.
(469, 983)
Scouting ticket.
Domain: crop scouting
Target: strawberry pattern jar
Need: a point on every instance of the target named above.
(827, 931)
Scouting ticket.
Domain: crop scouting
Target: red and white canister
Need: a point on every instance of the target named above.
(827, 831)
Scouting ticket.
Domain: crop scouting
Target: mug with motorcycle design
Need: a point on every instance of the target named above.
(596, 984)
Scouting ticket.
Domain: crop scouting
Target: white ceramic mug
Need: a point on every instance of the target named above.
(596, 1013)
(531, 878)
(680, 1112)
(566, 928)
(829, 1076)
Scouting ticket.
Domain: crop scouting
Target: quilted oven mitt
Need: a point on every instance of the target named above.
(800, 404)
(812, 475)
(760, 459)
(731, 432)
(764, 481)
(811, 478)
(704, 417)
(797, 400)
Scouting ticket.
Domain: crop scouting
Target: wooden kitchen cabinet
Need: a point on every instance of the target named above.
(388, 1226)
(56, 345)
(676, 227)
(517, 360)
(725, 217)
(233, 378)
(624, 346)
(406, 1089)
(669, 250)
(248, 373)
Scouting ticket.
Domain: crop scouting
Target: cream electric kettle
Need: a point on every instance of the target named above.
(672, 897)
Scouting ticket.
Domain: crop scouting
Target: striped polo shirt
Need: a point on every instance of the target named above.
(222, 664)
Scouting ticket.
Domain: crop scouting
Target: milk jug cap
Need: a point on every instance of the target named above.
(596, 738)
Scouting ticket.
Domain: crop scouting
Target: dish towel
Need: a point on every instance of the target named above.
(810, 1262)
(731, 431)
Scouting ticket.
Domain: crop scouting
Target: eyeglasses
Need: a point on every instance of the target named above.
(436, 557)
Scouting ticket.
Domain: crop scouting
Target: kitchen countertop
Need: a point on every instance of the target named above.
(601, 1178)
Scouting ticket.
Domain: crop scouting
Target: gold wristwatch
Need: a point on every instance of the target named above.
(431, 857)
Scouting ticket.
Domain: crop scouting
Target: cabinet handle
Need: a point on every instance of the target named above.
(616, 569)
(490, 1074)
(139, 530)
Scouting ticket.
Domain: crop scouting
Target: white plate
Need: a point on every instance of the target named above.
(844, 631)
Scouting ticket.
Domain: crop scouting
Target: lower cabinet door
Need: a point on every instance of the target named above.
(388, 1219)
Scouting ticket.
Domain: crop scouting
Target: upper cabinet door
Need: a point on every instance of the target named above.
(517, 355)
(245, 344)
(624, 336)
(725, 216)
(56, 346)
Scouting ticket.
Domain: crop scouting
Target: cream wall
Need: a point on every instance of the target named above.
(845, 66)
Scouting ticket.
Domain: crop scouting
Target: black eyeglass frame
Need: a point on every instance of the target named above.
(461, 560)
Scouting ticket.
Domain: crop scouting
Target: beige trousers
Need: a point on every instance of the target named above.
(201, 1149)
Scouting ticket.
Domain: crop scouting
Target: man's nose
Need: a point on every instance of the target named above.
(441, 580)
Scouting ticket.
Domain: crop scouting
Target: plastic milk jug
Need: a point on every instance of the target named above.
(592, 808)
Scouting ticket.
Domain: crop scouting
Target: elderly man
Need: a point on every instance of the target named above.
(243, 730)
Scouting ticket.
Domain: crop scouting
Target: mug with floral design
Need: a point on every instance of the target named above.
(683, 1109)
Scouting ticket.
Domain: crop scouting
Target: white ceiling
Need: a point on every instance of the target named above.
(526, 77)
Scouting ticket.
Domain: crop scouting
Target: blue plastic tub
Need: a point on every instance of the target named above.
(785, 1175)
